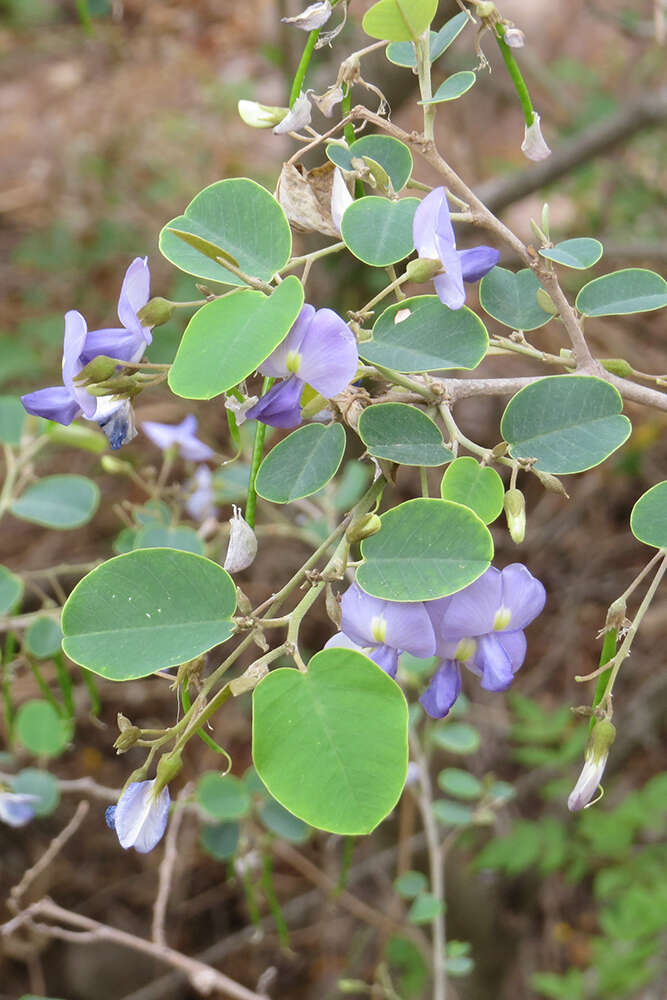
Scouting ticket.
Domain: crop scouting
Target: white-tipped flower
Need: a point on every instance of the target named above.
(514, 37)
(242, 547)
(312, 17)
(261, 115)
(17, 809)
(297, 117)
(140, 818)
(595, 761)
(515, 511)
(340, 198)
(533, 146)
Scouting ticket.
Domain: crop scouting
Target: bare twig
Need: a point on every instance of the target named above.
(167, 868)
(54, 848)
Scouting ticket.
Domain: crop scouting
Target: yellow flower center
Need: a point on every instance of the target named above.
(293, 362)
(502, 619)
(379, 629)
(465, 650)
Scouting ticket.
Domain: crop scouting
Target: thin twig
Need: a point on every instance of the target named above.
(51, 852)
(167, 867)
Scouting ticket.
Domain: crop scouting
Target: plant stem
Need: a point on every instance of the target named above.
(607, 654)
(423, 54)
(302, 68)
(515, 73)
(255, 462)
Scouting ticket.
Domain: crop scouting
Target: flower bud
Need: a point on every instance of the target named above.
(261, 115)
(616, 614)
(617, 366)
(127, 739)
(312, 17)
(363, 527)
(168, 767)
(156, 312)
(597, 752)
(545, 302)
(99, 369)
(515, 512)
(514, 37)
(551, 483)
(242, 547)
(115, 466)
(423, 269)
(533, 146)
(485, 8)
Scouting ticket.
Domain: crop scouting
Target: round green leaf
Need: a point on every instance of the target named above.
(648, 521)
(58, 502)
(11, 590)
(512, 298)
(12, 418)
(41, 784)
(403, 53)
(379, 231)
(220, 840)
(42, 640)
(301, 464)
(578, 253)
(457, 737)
(569, 423)
(227, 339)
(283, 823)
(40, 729)
(158, 536)
(331, 745)
(460, 784)
(629, 291)
(410, 884)
(452, 813)
(223, 798)
(403, 434)
(454, 86)
(425, 549)
(476, 486)
(243, 219)
(425, 908)
(399, 20)
(422, 334)
(392, 155)
(147, 610)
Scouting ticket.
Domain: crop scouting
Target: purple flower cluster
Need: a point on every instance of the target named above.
(481, 627)
(127, 343)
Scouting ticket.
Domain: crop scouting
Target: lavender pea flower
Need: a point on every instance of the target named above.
(434, 239)
(482, 627)
(140, 817)
(129, 342)
(320, 350)
(17, 809)
(201, 502)
(383, 629)
(180, 435)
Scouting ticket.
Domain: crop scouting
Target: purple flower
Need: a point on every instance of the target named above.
(129, 342)
(383, 629)
(140, 818)
(482, 627)
(63, 403)
(181, 435)
(434, 239)
(320, 351)
(201, 502)
(17, 809)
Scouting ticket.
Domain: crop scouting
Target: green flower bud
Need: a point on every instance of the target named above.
(423, 269)
(551, 483)
(99, 369)
(167, 769)
(545, 302)
(127, 739)
(260, 115)
(156, 312)
(515, 512)
(617, 366)
(363, 527)
(115, 466)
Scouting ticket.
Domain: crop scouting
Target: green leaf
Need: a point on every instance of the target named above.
(648, 521)
(569, 423)
(40, 729)
(422, 334)
(379, 231)
(457, 737)
(241, 217)
(453, 87)
(283, 823)
(392, 155)
(11, 590)
(227, 339)
(476, 486)
(223, 798)
(31, 781)
(511, 298)
(331, 745)
(12, 418)
(147, 610)
(460, 784)
(220, 840)
(158, 536)
(629, 291)
(410, 884)
(578, 253)
(425, 908)
(425, 549)
(403, 434)
(42, 640)
(60, 502)
(209, 249)
(399, 20)
(403, 53)
(301, 464)
(452, 813)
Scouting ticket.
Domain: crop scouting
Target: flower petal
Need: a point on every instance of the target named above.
(386, 658)
(123, 344)
(358, 609)
(281, 406)
(442, 692)
(134, 294)
(493, 661)
(522, 595)
(329, 354)
(469, 612)
(477, 262)
(141, 819)
(297, 117)
(515, 645)
(17, 809)
(276, 364)
(55, 403)
(409, 628)
(432, 215)
(341, 198)
(449, 284)
(201, 503)
(534, 146)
